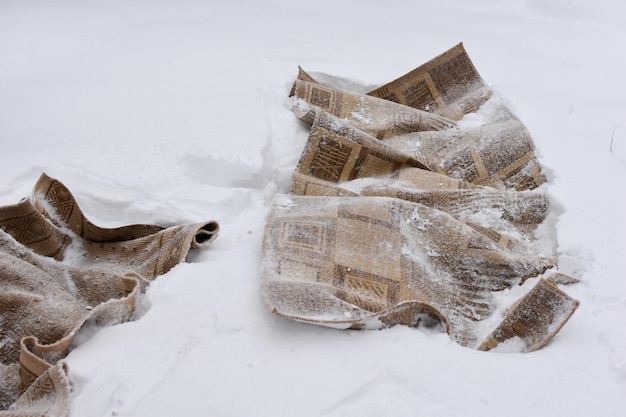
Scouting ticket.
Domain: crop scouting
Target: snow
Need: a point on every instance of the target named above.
(177, 111)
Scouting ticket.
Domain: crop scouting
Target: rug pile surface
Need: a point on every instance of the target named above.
(405, 209)
(61, 276)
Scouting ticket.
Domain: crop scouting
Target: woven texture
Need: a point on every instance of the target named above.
(448, 85)
(397, 214)
(59, 275)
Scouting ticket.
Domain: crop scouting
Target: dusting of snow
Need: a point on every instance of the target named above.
(162, 111)
(512, 345)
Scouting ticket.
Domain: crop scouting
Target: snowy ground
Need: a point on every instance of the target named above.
(176, 111)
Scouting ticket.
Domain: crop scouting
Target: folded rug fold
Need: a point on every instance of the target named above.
(402, 212)
(61, 274)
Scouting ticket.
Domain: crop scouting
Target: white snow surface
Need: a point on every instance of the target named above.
(177, 111)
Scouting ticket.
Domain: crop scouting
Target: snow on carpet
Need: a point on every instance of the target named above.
(175, 112)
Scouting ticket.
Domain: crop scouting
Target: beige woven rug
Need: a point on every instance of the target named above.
(60, 275)
(398, 214)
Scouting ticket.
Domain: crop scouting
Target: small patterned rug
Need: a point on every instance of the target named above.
(60, 275)
(402, 212)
